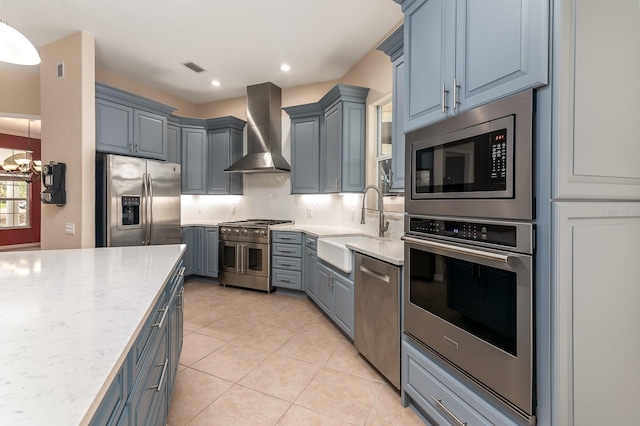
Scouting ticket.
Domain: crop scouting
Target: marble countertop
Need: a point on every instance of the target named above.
(69, 318)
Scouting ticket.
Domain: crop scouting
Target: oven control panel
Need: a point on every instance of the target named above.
(491, 233)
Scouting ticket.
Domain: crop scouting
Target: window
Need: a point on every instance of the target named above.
(14, 202)
(383, 157)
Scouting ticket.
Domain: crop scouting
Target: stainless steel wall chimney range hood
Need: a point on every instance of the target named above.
(264, 134)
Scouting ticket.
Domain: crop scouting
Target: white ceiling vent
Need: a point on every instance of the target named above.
(193, 67)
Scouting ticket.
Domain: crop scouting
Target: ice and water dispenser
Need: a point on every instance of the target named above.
(130, 210)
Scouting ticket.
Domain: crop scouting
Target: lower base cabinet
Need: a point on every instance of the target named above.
(201, 257)
(141, 392)
(310, 267)
(440, 397)
(335, 296)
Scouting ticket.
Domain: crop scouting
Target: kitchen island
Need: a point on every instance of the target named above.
(69, 319)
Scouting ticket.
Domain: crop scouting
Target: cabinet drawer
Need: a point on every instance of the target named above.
(429, 386)
(151, 385)
(311, 242)
(291, 263)
(289, 250)
(114, 401)
(287, 279)
(286, 237)
(149, 334)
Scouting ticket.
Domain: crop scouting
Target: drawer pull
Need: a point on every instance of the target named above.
(285, 251)
(164, 315)
(181, 271)
(285, 264)
(284, 238)
(447, 412)
(164, 370)
(181, 296)
(284, 280)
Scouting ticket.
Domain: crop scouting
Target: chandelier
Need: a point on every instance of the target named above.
(21, 162)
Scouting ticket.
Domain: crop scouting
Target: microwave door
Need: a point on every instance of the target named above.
(125, 198)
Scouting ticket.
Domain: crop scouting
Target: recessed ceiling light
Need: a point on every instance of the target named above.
(285, 67)
(215, 83)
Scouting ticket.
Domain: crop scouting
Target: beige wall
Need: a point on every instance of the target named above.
(19, 93)
(68, 136)
(184, 108)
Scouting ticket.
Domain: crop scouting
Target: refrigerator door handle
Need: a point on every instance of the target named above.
(145, 201)
(150, 210)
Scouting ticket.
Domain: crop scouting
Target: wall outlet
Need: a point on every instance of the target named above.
(70, 228)
(309, 212)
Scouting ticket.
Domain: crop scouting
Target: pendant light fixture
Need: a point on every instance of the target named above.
(15, 48)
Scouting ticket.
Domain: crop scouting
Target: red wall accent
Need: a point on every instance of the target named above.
(32, 234)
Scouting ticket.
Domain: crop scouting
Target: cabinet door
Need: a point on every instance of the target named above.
(194, 161)
(211, 252)
(235, 149)
(397, 143)
(332, 152)
(198, 250)
(501, 48)
(343, 304)
(305, 155)
(598, 142)
(219, 159)
(353, 147)
(114, 127)
(596, 298)
(429, 43)
(325, 292)
(310, 282)
(150, 135)
(187, 238)
(174, 147)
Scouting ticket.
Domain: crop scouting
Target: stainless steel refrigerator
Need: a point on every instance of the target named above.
(137, 201)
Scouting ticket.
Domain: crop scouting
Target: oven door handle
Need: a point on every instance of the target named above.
(504, 258)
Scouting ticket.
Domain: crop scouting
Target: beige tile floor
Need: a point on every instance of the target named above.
(255, 359)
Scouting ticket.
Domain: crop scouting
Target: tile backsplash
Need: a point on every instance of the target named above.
(267, 196)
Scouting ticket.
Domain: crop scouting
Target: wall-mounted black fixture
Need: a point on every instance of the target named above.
(53, 179)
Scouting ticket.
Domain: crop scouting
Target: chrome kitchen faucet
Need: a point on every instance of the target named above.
(383, 226)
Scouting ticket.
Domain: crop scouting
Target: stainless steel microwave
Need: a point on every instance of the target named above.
(476, 164)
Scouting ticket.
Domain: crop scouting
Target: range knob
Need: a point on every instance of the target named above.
(263, 233)
(244, 232)
(236, 231)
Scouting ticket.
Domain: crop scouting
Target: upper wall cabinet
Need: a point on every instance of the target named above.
(174, 140)
(208, 148)
(394, 47)
(597, 148)
(328, 142)
(129, 124)
(460, 54)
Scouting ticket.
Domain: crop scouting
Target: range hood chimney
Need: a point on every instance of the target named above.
(264, 134)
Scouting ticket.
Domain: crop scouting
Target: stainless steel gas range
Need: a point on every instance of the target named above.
(245, 253)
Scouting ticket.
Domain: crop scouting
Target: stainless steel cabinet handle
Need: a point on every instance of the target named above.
(164, 315)
(145, 206)
(181, 296)
(504, 258)
(284, 264)
(456, 86)
(150, 209)
(244, 252)
(448, 413)
(284, 238)
(285, 251)
(377, 275)
(284, 280)
(443, 101)
(164, 370)
(238, 257)
(181, 271)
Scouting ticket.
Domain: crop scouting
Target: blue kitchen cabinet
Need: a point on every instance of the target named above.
(310, 267)
(394, 47)
(129, 124)
(335, 296)
(335, 124)
(286, 260)
(225, 148)
(187, 239)
(211, 241)
(176, 334)
(198, 250)
(462, 54)
(174, 145)
(149, 135)
(194, 160)
(114, 127)
(306, 122)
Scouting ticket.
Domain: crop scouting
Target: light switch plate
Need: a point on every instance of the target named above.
(70, 228)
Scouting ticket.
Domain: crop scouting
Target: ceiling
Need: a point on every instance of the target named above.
(238, 42)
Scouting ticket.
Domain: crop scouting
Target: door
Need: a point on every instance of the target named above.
(332, 158)
(324, 283)
(429, 34)
(126, 201)
(219, 159)
(164, 202)
(310, 273)
(230, 254)
(150, 135)
(305, 152)
(194, 161)
(114, 127)
(211, 252)
(343, 304)
(174, 147)
(255, 259)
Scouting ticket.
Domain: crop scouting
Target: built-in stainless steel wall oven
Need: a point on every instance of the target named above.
(469, 246)
(472, 304)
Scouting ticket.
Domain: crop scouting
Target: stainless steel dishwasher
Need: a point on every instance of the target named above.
(377, 315)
